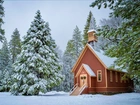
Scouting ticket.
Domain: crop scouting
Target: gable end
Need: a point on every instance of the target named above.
(83, 53)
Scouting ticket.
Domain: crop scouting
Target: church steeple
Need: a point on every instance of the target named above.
(91, 33)
(91, 36)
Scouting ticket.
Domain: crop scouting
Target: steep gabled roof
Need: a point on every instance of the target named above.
(88, 70)
(104, 60)
(108, 61)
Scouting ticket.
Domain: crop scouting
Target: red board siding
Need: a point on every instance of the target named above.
(118, 86)
(93, 81)
(90, 59)
(100, 87)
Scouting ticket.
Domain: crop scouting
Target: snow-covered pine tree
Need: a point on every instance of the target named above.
(113, 22)
(5, 67)
(68, 63)
(37, 67)
(77, 43)
(73, 50)
(15, 45)
(60, 56)
(54, 48)
(1, 20)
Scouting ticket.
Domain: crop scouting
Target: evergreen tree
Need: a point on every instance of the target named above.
(37, 67)
(15, 45)
(1, 20)
(67, 67)
(89, 19)
(113, 22)
(5, 67)
(60, 58)
(73, 50)
(68, 62)
(77, 45)
(127, 48)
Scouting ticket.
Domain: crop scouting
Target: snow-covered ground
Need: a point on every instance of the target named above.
(62, 98)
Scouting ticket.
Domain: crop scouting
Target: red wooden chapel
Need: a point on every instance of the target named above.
(92, 73)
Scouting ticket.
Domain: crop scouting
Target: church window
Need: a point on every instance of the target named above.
(99, 75)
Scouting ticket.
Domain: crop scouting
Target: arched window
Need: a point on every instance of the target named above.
(99, 75)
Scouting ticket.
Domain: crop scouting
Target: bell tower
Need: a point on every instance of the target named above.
(92, 39)
(91, 36)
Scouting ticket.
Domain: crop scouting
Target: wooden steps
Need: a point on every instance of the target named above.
(78, 90)
(75, 92)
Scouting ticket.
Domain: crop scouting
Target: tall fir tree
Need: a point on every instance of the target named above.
(5, 67)
(76, 43)
(15, 45)
(68, 62)
(1, 20)
(73, 50)
(85, 35)
(60, 57)
(37, 67)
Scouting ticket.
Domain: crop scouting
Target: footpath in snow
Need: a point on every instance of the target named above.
(62, 98)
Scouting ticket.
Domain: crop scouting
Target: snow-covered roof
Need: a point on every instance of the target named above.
(108, 61)
(89, 70)
(91, 30)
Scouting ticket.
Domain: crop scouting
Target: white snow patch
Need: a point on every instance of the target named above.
(62, 98)
(53, 93)
(92, 30)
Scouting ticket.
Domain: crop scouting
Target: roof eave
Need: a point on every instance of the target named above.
(116, 70)
(82, 53)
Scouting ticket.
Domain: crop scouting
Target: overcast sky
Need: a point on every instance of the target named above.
(62, 15)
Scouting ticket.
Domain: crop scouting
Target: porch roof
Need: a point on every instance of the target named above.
(87, 69)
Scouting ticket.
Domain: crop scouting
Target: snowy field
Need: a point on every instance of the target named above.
(62, 98)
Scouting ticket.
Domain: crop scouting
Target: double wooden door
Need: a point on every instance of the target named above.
(83, 79)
